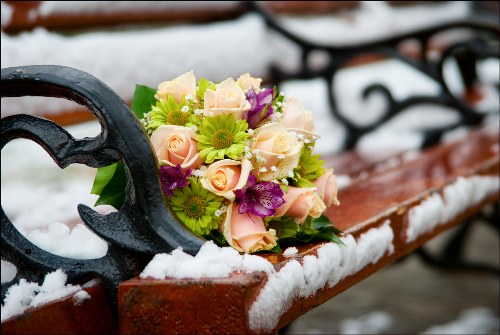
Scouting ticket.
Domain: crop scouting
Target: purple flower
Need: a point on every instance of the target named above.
(172, 177)
(261, 199)
(261, 105)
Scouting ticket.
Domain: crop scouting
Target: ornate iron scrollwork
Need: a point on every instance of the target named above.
(143, 226)
(466, 53)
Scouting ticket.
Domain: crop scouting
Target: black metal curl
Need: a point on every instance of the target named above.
(466, 53)
(142, 227)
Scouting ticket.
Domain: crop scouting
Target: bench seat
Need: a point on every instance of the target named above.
(383, 213)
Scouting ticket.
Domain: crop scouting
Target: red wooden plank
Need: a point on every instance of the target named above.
(388, 195)
(66, 316)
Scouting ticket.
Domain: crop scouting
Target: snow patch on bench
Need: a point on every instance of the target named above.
(333, 263)
(457, 197)
(295, 280)
(25, 295)
(158, 60)
(210, 262)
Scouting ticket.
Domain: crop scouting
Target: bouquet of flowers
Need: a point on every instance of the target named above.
(236, 162)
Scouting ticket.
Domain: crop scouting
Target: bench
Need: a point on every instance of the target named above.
(418, 205)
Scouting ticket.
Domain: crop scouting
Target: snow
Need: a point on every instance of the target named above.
(478, 320)
(210, 262)
(9, 271)
(343, 181)
(25, 295)
(146, 57)
(457, 197)
(290, 251)
(48, 8)
(358, 26)
(6, 12)
(296, 279)
(36, 203)
(78, 243)
(332, 264)
(377, 322)
(80, 297)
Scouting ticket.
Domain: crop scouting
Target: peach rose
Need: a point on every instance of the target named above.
(300, 203)
(246, 232)
(279, 148)
(247, 82)
(228, 98)
(182, 85)
(327, 188)
(224, 176)
(175, 145)
(295, 117)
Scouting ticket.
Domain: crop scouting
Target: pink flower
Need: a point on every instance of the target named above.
(297, 118)
(175, 145)
(277, 147)
(224, 176)
(178, 87)
(327, 188)
(247, 82)
(301, 203)
(246, 232)
(228, 98)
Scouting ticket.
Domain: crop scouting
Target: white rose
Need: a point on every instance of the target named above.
(182, 85)
(279, 148)
(228, 98)
(247, 82)
(295, 117)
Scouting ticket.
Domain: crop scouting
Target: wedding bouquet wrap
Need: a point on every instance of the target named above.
(236, 162)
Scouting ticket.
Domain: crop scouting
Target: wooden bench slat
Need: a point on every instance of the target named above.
(432, 170)
(382, 200)
(67, 316)
(27, 15)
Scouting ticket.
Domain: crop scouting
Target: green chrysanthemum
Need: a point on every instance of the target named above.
(169, 112)
(195, 207)
(221, 136)
(308, 170)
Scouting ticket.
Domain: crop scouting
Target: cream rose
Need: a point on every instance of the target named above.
(246, 232)
(224, 176)
(295, 117)
(228, 98)
(182, 85)
(279, 148)
(247, 82)
(327, 188)
(175, 145)
(301, 203)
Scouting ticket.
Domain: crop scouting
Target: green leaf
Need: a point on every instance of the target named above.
(288, 228)
(275, 250)
(102, 177)
(172, 104)
(144, 98)
(310, 231)
(218, 238)
(324, 222)
(203, 85)
(113, 192)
